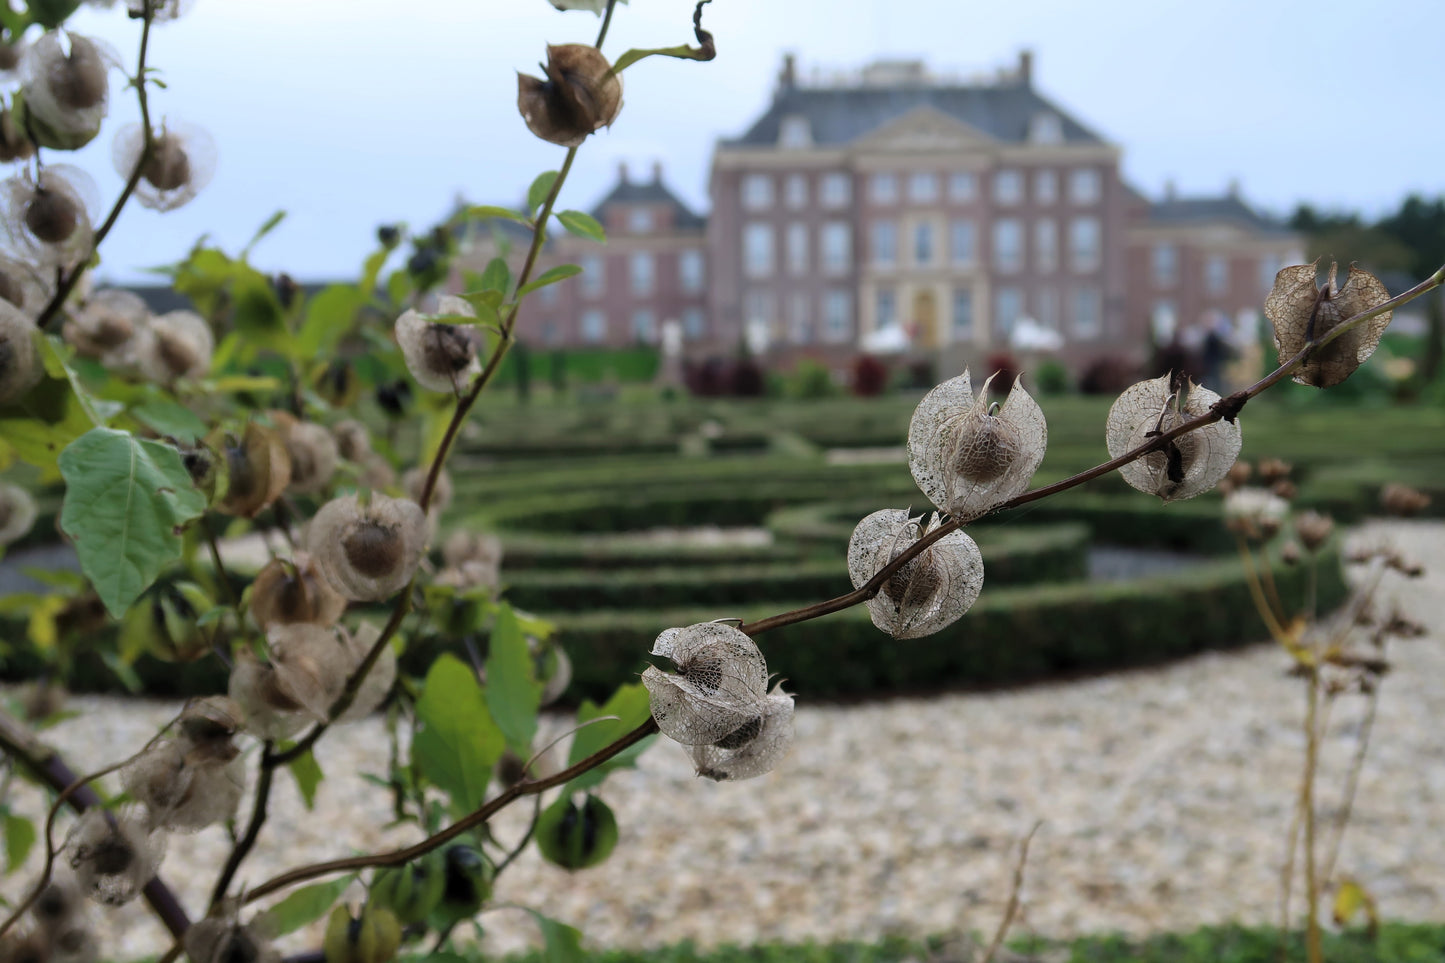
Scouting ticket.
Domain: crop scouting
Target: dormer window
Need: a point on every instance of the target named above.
(639, 220)
(1046, 128)
(795, 132)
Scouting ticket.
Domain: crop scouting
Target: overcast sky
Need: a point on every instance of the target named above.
(350, 113)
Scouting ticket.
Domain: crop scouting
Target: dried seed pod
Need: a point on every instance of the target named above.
(47, 219)
(1301, 311)
(17, 513)
(20, 367)
(311, 663)
(174, 345)
(222, 939)
(1402, 500)
(1255, 513)
(269, 712)
(66, 88)
(208, 725)
(58, 904)
(754, 748)
(113, 856)
(105, 326)
(414, 480)
(286, 592)
(183, 792)
(258, 470)
(15, 144)
(463, 546)
(1313, 529)
(968, 455)
(182, 162)
(440, 356)
(1285, 489)
(580, 95)
(370, 551)
(26, 946)
(1190, 464)
(312, 452)
(931, 591)
(378, 682)
(353, 440)
(721, 682)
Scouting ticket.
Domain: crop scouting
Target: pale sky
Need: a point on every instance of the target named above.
(350, 113)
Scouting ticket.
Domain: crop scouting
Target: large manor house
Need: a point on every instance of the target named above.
(895, 208)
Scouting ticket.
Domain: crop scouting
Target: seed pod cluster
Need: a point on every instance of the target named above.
(1188, 465)
(20, 367)
(353, 440)
(1256, 513)
(1313, 529)
(312, 451)
(22, 287)
(968, 454)
(1301, 311)
(47, 218)
(441, 356)
(181, 163)
(113, 855)
(932, 590)
(472, 560)
(196, 779)
(58, 932)
(580, 94)
(368, 552)
(15, 144)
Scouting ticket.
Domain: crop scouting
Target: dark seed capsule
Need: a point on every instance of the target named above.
(79, 81)
(169, 168)
(742, 735)
(52, 216)
(374, 549)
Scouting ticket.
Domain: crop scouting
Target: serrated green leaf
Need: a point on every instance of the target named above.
(125, 500)
(497, 276)
(307, 773)
(513, 693)
(19, 837)
(631, 707)
(559, 273)
(541, 187)
(582, 224)
(487, 211)
(168, 418)
(305, 905)
(459, 742)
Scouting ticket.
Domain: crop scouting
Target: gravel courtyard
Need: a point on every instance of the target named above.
(1164, 796)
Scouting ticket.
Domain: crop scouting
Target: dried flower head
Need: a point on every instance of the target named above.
(174, 345)
(47, 218)
(181, 163)
(258, 470)
(20, 367)
(580, 95)
(106, 325)
(1285, 489)
(472, 560)
(222, 939)
(184, 791)
(1272, 470)
(753, 748)
(1397, 499)
(353, 440)
(370, 551)
(294, 591)
(1255, 513)
(1313, 529)
(312, 451)
(113, 856)
(967, 454)
(930, 591)
(269, 712)
(1300, 311)
(1188, 465)
(720, 684)
(17, 513)
(66, 88)
(441, 356)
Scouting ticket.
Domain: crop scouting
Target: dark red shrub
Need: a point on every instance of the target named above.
(870, 376)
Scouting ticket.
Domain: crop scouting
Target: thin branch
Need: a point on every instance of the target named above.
(1013, 897)
(526, 837)
(606, 22)
(1352, 783)
(253, 829)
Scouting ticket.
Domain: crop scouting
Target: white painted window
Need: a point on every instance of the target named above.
(1008, 307)
(1008, 245)
(1008, 187)
(963, 314)
(1088, 312)
(693, 323)
(1047, 302)
(962, 186)
(1085, 254)
(690, 271)
(639, 220)
(594, 325)
(837, 247)
(838, 315)
(883, 188)
(962, 241)
(644, 325)
(757, 192)
(1216, 274)
(795, 191)
(1085, 186)
(758, 250)
(885, 308)
(795, 132)
(1046, 187)
(837, 190)
(641, 268)
(923, 251)
(923, 187)
(1164, 262)
(594, 276)
(797, 247)
(885, 243)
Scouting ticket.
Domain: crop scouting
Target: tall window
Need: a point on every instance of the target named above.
(1008, 307)
(594, 278)
(800, 329)
(594, 325)
(758, 250)
(962, 186)
(923, 187)
(796, 191)
(644, 325)
(1046, 187)
(885, 308)
(1164, 260)
(883, 188)
(641, 269)
(1216, 274)
(838, 315)
(1088, 312)
(923, 244)
(837, 247)
(758, 306)
(1085, 186)
(1047, 301)
(962, 314)
(1084, 252)
(797, 248)
(1046, 245)
(885, 243)
(757, 192)
(1008, 187)
(693, 323)
(690, 271)
(837, 190)
(795, 131)
(1008, 244)
(962, 242)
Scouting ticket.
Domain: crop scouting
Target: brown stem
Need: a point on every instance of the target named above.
(1013, 897)
(1352, 783)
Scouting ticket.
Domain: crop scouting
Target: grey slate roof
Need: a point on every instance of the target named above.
(1228, 209)
(841, 115)
(650, 192)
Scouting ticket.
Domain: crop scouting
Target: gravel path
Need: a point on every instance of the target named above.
(1164, 796)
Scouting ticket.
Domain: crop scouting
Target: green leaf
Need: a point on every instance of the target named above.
(582, 225)
(513, 693)
(168, 418)
(559, 273)
(563, 943)
(541, 187)
(371, 270)
(263, 230)
(680, 52)
(329, 317)
(55, 354)
(631, 707)
(305, 905)
(307, 773)
(458, 743)
(497, 276)
(19, 837)
(487, 211)
(125, 500)
(43, 423)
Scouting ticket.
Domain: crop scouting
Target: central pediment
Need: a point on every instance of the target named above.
(924, 129)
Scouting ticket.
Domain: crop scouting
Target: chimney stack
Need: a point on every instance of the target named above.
(657, 172)
(1170, 192)
(622, 172)
(1026, 67)
(1234, 188)
(788, 76)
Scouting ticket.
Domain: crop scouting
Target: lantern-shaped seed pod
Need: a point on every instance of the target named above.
(184, 792)
(553, 667)
(223, 939)
(48, 218)
(20, 367)
(208, 726)
(931, 591)
(174, 345)
(755, 747)
(440, 356)
(311, 663)
(113, 856)
(286, 592)
(66, 88)
(720, 684)
(378, 682)
(258, 470)
(181, 163)
(580, 95)
(106, 325)
(1190, 464)
(967, 454)
(22, 287)
(312, 451)
(353, 440)
(368, 551)
(1300, 311)
(414, 480)
(17, 513)
(269, 712)
(15, 144)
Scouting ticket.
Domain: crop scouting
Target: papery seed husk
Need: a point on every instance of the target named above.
(720, 683)
(1296, 297)
(441, 357)
(755, 748)
(17, 513)
(15, 144)
(353, 440)
(221, 939)
(78, 81)
(269, 713)
(929, 592)
(367, 553)
(175, 345)
(581, 94)
(112, 861)
(987, 447)
(258, 468)
(1194, 462)
(294, 592)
